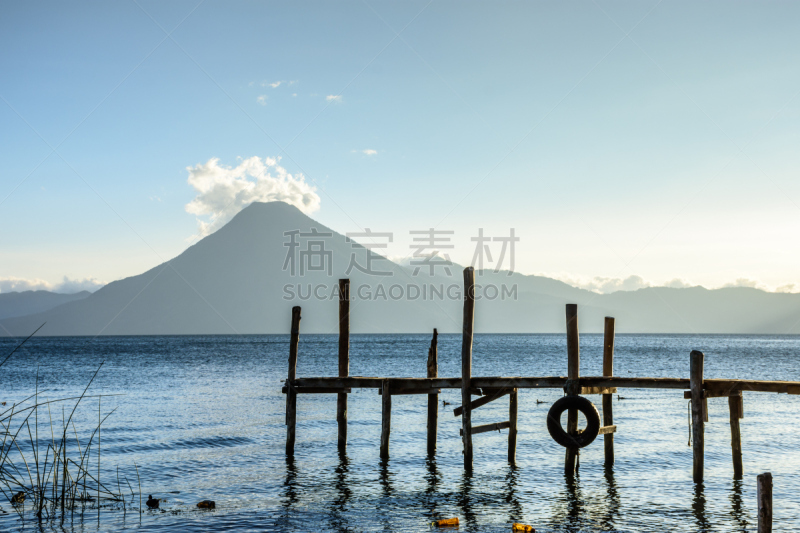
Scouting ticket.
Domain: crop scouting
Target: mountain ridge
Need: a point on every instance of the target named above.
(234, 281)
(22, 303)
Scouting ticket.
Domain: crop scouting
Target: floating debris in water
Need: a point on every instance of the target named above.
(523, 527)
(207, 504)
(18, 497)
(446, 522)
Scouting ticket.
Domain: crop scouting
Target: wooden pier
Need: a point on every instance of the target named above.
(491, 388)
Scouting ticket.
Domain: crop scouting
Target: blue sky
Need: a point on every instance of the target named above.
(619, 139)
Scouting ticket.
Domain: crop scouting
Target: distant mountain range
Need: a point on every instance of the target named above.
(234, 281)
(13, 304)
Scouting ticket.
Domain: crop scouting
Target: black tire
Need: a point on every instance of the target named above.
(583, 438)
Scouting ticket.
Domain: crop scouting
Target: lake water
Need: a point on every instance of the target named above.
(203, 418)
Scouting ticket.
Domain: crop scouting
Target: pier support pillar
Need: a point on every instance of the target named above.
(433, 399)
(573, 373)
(291, 395)
(764, 495)
(698, 413)
(735, 404)
(386, 419)
(512, 429)
(466, 364)
(608, 370)
(344, 360)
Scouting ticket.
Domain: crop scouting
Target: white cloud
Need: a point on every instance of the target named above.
(262, 100)
(294, 94)
(13, 284)
(745, 282)
(274, 84)
(334, 98)
(678, 283)
(369, 152)
(224, 191)
(67, 285)
(604, 285)
(607, 285)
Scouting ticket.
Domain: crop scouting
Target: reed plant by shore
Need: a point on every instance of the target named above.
(49, 475)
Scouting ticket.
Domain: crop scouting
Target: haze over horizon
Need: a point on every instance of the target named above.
(598, 284)
(627, 144)
(245, 278)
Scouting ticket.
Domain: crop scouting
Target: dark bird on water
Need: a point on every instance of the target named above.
(18, 497)
(152, 503)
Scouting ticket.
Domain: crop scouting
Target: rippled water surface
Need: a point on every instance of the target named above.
(203, 418)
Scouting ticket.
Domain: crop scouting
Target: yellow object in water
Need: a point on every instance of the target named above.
(446, 522)
(523, 527)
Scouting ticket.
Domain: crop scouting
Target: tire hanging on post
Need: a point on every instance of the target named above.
(583, 438)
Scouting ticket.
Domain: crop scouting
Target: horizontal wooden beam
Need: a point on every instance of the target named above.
(687, 394)
(634, 383)
(499, 382)
(488, 427)
(732, 385)
(605, 430)
(598, 390)
(412, 391)
(395, 384)
(483, 400)
(431, 385)
(318, 390)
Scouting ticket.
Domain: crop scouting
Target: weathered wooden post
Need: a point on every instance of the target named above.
(735, 404)
(291, 394)
(698, 415)
(386, 419)
(512, 429)
(344, 359)
(608, 370)
(466, 364)
(764, 494)
(433, 399)
(573, 373)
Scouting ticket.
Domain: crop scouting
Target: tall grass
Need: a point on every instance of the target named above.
(57, 483)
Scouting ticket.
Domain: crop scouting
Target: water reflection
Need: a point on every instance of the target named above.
(612, 499)
(465, 502)
(568, 506)
(699, 508)
(432, 477)
(388, 491)
(290, 496)
(342, 495)
(737, 512)
(510, 494)
(386, 479)
(574, 500)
